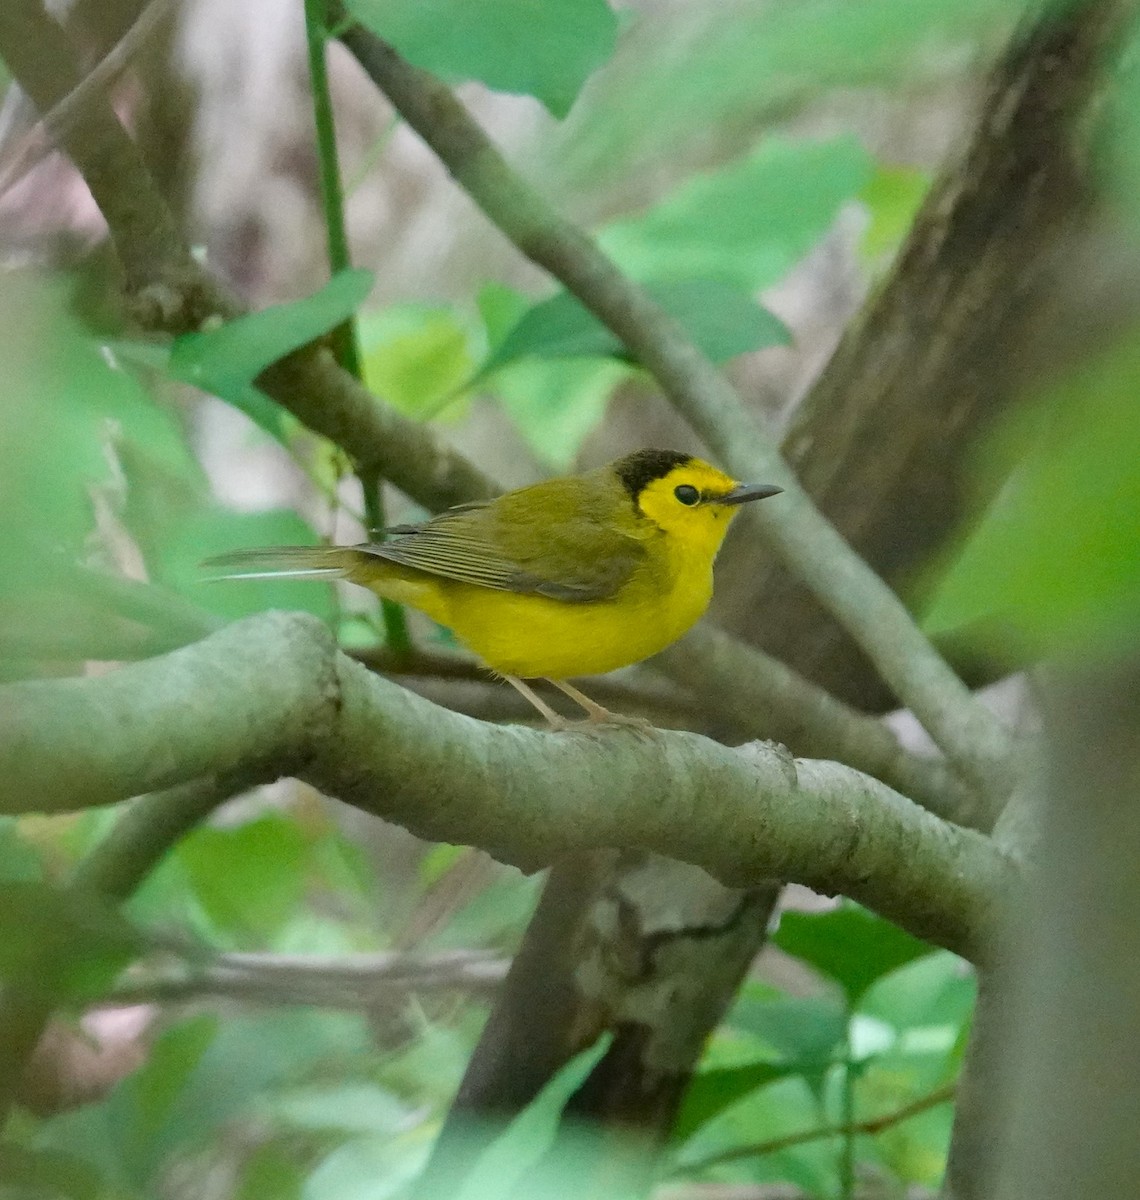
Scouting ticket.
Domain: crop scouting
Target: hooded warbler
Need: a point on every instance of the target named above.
(573, 576)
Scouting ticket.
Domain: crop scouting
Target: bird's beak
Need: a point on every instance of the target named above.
(743, 492)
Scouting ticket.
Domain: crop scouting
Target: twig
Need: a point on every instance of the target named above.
(31, 148)
(873, 1125)
(349, 982)
(874, 616)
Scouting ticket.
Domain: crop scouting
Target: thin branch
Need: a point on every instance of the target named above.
(874, 616)
(32, 147)
(527, 797)
(873, 1125)
(347, 982)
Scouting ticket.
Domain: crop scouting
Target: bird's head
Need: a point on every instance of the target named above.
(686, 497)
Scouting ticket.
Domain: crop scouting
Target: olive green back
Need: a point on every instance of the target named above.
(575, 539)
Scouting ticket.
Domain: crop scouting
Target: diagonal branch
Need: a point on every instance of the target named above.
(874, 616)
(527, 797)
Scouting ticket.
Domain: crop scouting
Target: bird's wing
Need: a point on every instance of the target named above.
(559, 548)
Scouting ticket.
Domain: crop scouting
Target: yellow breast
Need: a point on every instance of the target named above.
(534, 636)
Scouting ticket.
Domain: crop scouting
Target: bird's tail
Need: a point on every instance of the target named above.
(285, 562)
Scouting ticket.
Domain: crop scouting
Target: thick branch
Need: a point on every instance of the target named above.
(528, 797)
(873, 615)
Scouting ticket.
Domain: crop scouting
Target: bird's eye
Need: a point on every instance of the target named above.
(687, 494)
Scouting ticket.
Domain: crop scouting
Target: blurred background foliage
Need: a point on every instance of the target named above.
(757, 165)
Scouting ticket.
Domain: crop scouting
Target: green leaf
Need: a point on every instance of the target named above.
(802, 1029)
(367, 1168)
(416, 356)
(849, 945)
(249, 878)
(19, 860)
(557, 403)
(893, 196)
(352, 1107)
(710, 1092)
(200, 533)
(723, 320)
(747, 223)
(542, 48)
(530, 1135)
(226, 361)
(148, 1100)
(270, 1173)
(62, 941)
(27, 1174)
(62, 407)
(1055, 562)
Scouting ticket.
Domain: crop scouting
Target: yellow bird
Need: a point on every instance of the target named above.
(574, 576)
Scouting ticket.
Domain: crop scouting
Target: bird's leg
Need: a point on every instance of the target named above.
(595, 712)
(555, 720)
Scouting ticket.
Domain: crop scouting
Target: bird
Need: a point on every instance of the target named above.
(572, 576)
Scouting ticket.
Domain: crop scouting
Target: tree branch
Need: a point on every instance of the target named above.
(873, 615)
(872, 1125)
(527, 797)
(350, 981)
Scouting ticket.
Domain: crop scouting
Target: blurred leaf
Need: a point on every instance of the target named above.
(721, 318)
(803, 1029)
(747, 223)
(697, 68)
(249, 878)
(530, 1134)
(710, 1092)
(893, 196)
(64, 404)
(226, 361)
(545, 50)
(270, 1173)
(147, 1101)
(937, 990)
(247, 1057)
(557, 403)
(501, 309)
(785, 1106)
(62, 940)
(849, 945)
(416, 356)
(27, 1174)
(367, 1168)
(438, 860)
(201, 533)
(1055, 562)
(350, 1107)
(19, 859)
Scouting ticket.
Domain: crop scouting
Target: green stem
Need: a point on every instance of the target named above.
(346, 346)
(396, 635)
(847, 1117)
